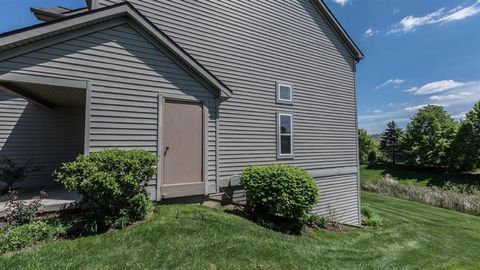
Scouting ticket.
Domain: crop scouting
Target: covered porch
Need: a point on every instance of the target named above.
(42, 121)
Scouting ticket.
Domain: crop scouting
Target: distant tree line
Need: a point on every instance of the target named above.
(431, 139)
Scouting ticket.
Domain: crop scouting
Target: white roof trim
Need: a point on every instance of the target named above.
(339, 30)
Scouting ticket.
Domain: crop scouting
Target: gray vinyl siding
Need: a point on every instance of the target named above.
(249, 46)
(46, 137)
(338, 198)
(127, 74)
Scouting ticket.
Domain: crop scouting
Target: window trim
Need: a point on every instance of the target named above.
(279, 135)
(284, 101)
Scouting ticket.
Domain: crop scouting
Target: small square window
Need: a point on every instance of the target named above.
(284, 93)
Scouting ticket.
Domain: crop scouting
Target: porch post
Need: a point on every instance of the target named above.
(86, 133)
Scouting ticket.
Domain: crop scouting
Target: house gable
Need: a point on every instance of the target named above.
(31, 38)
(129, 76)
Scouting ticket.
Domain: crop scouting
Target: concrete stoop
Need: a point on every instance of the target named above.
(57, 199)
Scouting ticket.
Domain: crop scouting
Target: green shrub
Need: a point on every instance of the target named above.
(319, 221)
(16, 237)
(369, 217)
(113, 184)
(279, 190)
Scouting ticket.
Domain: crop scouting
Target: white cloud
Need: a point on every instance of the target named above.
(377, 111)
(462, 13)
(459, 96)
(341, 2)
(390, 104)
(436, 87)
(459, 116)
(456, 97)
(451, 97)
(378, 117)
(375, 123)
(391, 81)
(370, 32)
(414, 108)
(395, 10)
(411, 23)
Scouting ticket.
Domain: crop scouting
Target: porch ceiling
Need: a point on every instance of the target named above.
(44, 91)
(55, 95)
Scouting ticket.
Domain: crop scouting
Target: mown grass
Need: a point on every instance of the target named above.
(417, 176)
(414, 236)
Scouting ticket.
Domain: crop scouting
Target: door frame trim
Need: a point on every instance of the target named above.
(162, 98)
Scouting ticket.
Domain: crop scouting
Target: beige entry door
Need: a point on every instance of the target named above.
(183, 149)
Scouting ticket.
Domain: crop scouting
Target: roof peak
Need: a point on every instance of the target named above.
(338, 28)
(31, 35)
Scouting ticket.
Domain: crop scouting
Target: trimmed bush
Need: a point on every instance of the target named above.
(280, 190)
(113, 184)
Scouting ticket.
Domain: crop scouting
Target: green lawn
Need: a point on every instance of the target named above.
(422, 177)
(414, 236)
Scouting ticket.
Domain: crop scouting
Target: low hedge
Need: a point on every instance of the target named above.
(450, 197)
(113, 184)
(280, 190)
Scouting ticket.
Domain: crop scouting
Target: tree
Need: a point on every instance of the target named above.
(427, 138)
(367, 147)
(466, 147)
(390, 139)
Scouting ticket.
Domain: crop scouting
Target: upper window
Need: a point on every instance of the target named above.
(284, 93)
(285, 135)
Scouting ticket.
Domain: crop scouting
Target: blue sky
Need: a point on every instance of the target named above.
(417, 52)
(15, 14)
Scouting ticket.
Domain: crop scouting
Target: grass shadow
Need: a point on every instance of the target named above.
(276, 223)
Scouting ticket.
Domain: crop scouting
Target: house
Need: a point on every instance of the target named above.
(210, 86)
